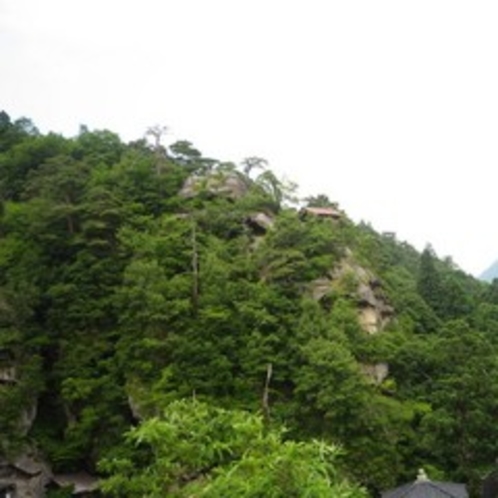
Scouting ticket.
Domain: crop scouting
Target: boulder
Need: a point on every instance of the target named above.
(377, 372)
(260, 222)
(80, 483)
(25, 476)
(228, 184)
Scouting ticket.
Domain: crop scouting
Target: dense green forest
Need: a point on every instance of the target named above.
(182, 326)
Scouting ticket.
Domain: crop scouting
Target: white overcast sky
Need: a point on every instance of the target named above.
(389, 107)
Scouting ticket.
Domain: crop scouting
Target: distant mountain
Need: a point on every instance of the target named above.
(491, 273)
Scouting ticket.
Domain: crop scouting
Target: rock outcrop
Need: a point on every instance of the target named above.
(260, 222)
(8, 375)
(9, 380)
(228, 184)
(25, 476)
(80, 483)
(30, 476)
(376, 372)
(374, 310)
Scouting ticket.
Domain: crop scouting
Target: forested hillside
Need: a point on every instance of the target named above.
(164, 316)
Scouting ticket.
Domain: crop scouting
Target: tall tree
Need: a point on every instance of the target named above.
(429, 281)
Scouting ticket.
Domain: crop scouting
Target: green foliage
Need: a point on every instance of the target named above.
(443, 288)
(98, 147)
(26, 156)
(464, 397)
(11, 133)
(336, 400)
(320, 200)
(297, 252)
(195, 449)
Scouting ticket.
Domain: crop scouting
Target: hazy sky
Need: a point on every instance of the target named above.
(389, 107)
